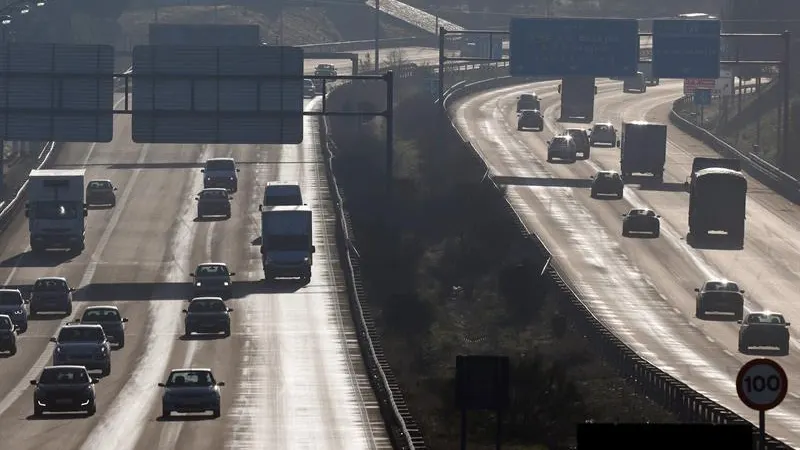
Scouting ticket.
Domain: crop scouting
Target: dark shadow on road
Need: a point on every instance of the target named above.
(114, 292)
(712, 242)
(59, 416)
(45, 259)
(185, 418)
(718, 317)
(170, 165)
(256, 241)
(550, 182)
(210, 219)
(96, 207)
(202, 337)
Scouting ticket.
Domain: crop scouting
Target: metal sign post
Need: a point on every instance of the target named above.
(762, 385)
(482, 383)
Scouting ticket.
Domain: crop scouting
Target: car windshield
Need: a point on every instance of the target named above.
(642, 212)
(766, 318)
(308, 83)
(601, 129)
(609, 175)
(99, 185)
(527, 97)
(101, 315)
(206, 306)
(220, 164)
(191, 378)
(64, 375)
(578, 135)
(561, 142)
(728, 286)
(50, 285)
(530, 112)
(81, 334)
(214, 194)
(5, 323)
(217, 270)
(10, 298)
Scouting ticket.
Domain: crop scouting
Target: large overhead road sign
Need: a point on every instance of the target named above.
(686, 48)
(574, 47)
(690, 84)
(203, 34)
(231, 94)
(56, 92)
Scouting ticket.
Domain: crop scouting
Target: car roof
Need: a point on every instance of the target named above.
(212, 264)
(206, 298)
(101, 180)
(101, 308)
(191, 369)
(219, 159)
(81, 325)
(51, 279)
(641, 211)
(10, 290)
(63, 366)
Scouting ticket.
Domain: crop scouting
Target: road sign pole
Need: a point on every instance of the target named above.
(762, 429)
(787, 92)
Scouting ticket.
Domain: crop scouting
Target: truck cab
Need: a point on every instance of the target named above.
(287, 248)
(56, 209)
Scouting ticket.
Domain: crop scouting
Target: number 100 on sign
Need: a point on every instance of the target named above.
(762, 384)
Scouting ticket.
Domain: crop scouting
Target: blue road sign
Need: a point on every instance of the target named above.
(574, 47)
(686, 48)
(702, 97)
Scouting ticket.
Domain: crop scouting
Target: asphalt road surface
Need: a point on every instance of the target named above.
(292, 366)
(643, 288)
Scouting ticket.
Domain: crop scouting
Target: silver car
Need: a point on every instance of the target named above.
(82, 345)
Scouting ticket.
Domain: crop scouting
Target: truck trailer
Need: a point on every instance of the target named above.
(643, 149)
(577, 98)
(717, 200)
(56, 209)
(287, 250)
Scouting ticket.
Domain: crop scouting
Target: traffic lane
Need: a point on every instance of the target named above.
(588, 246)
(417, 55)
(124, 258)
(21, 268)
(688, 268)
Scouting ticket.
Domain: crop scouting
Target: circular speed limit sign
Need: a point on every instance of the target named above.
(762, 384)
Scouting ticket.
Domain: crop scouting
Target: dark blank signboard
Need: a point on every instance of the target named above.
(686, 48)
(653, 436)
(57, 92)
(203, 34)
(574, 47)
(482, 382)
(197, 94)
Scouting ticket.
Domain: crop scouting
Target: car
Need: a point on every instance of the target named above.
(109, 318)
(13, 304)
(603, 133)
(191, 391)
(635, 83)
(528, 101)
(213, 202)
(581, 139)
(83, 345)
(719, 296)
(101, 192)
(325, 70)
(207, 315)
(8, 335)
(64, 389)
(51, 294)
(641, 220)
(309, 90)
(221, 172)
(282, 193)
(530, 118)
(212, 278)
(607, 182)
(764, 329)
(562, 147)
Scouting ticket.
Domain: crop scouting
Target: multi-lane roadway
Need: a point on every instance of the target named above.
(643, 288)
(292, 367)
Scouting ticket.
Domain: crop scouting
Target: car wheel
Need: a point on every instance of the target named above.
(216, 412)
(657, 233)
(37, 410)
(92, 409)
(784, 348)
(699, 313)
(106, 370)
(165, 412)
(187, 332)
(227, 331)
(742, 347)
(228, 215)
(121, 342)
(625, 232)
(23, 328)
(13, 350)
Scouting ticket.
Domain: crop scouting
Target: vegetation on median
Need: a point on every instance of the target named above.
(448, 273)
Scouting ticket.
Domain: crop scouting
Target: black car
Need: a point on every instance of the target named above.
(8, 335)
(13, 304)
(207, 315)
(51, 294)
(109, 318)
(603, 133)
(719, 296)
(528, 101)
(101, 192)
(63, 389)
(191, 391)
(581, 139)
(562, 147)
(607, 182)
(212, 278)
(764, 329)
(530, 118)
(214, 202)
(641, 220)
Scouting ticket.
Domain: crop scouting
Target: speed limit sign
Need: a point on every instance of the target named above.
(762, 384)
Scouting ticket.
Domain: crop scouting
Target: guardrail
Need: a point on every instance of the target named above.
(661, 387)
(757, 167)
(369, 44)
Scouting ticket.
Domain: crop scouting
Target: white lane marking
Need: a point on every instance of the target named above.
(19, 260)
(171, 431)
(123, 424)
(41, 362)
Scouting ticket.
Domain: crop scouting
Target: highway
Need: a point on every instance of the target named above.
(643, 288)
(292, 367)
